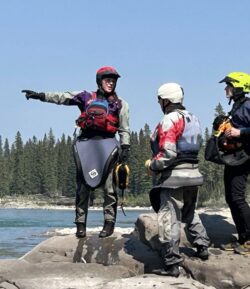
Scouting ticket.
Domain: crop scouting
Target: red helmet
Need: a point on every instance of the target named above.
(106, 71)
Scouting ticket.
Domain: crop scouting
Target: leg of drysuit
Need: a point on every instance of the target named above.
(194, 226)
(169, 225)
(82, 200)
(110, 199)
(235, 180)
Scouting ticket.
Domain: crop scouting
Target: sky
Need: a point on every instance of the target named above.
(57, 45)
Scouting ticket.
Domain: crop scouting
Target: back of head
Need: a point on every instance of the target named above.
(172, 92)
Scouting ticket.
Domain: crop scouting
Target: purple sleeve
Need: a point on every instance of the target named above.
(80, 99)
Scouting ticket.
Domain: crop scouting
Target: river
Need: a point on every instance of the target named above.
(23, 229)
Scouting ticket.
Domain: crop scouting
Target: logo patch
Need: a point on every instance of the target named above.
(93, 173)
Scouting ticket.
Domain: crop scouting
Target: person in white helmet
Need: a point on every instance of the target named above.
(175, 144)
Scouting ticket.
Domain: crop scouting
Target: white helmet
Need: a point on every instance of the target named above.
(171, 91)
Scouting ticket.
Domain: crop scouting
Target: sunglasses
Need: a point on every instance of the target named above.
(109, 80)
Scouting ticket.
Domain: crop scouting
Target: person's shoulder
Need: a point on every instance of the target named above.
(246, 104)
(171, 117)
(122, 100)
(176, 114)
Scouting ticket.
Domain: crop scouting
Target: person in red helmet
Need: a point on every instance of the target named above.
(96, 149)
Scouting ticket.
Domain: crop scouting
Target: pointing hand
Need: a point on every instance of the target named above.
(35, 95)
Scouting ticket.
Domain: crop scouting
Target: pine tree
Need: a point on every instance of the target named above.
(133, 164)
(62, 165)
(31, 173)
(145, 151)
(4, 183)
(70, 188)
(49, 165)
(17, 182)
(219, 110)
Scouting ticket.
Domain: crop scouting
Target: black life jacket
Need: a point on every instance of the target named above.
(224, 151)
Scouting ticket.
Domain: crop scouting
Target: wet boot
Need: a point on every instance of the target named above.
(243, 249)
(108, 229)
(171, 270)
(80, 230)
(202, 252)
(168, 257)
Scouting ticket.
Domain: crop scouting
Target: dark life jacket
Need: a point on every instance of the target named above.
(221, 150)
(99, 116)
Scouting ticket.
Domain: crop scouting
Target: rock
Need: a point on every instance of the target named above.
(146, 228)
(150, 281)
(59, 275)
(222, 270)
(119, 249)
(125, 261)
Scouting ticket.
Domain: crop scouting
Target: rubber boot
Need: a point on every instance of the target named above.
(168, 270)
(171, 270)
(108, 229)
(202, 252)
(80, 230)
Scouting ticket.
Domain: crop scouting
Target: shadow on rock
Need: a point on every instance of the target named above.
(219, 230)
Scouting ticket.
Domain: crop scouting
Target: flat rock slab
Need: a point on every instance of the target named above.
(119, 249)
(150, 281)
(24, 275)
(60, 275)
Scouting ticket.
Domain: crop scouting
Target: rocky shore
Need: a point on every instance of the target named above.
(126, 260)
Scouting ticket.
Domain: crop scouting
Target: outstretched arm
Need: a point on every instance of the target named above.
(66, 98)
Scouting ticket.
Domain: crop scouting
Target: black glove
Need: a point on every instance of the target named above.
(123, 156)
(35, 95)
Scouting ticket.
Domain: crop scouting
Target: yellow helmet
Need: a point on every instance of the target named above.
(238, 80)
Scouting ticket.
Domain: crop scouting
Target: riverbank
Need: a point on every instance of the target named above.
(49, 203)
(36, 202)
(64, 203)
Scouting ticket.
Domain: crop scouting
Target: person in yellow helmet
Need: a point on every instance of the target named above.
(235, 176)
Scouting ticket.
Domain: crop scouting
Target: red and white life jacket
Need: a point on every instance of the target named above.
(100, 115)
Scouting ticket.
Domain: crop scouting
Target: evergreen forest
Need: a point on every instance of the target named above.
(46, 166)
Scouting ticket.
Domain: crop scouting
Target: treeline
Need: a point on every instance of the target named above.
(46, 167)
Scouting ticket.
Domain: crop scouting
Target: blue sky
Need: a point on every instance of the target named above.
(58, 46)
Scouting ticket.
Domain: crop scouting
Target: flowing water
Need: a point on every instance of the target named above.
(22, 229)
